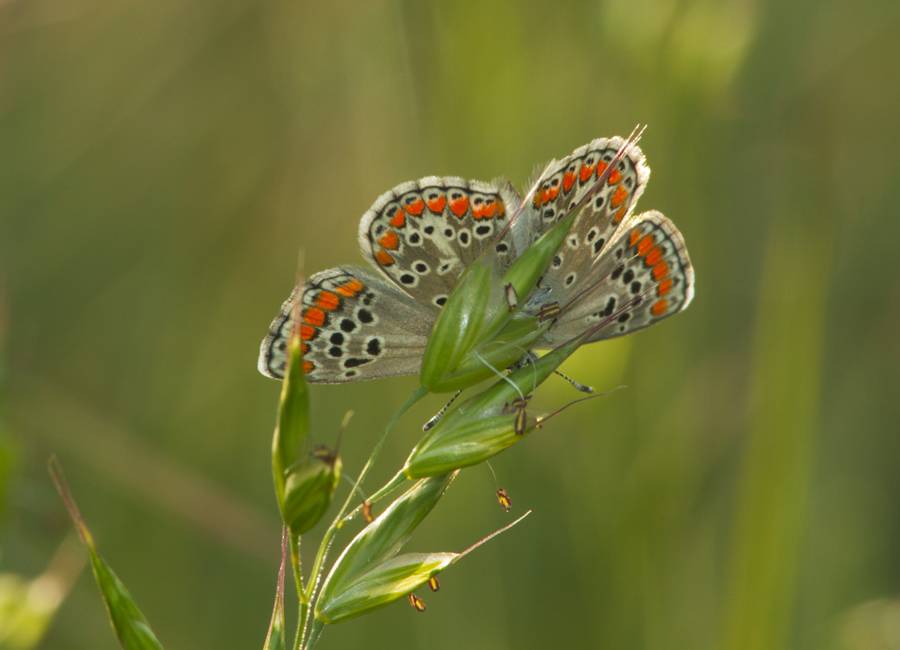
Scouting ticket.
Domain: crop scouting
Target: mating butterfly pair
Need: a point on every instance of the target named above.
(357, 324)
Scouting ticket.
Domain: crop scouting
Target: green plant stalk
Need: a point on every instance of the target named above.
(301, 620)
(315, 632)
(297, 563)
(780, 446)
(382, 492)
(307, 594)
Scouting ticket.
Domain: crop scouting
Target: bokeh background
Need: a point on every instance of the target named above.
(162, 163)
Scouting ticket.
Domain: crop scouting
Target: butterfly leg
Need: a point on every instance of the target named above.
(437, 417)
(531, 357)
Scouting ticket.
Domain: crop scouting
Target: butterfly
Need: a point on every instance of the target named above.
(629, 271)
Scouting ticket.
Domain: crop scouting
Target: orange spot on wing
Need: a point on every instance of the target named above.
(664, 287)
(384, 258)
(327, 300)
(350, 288)
(653, 257)
(659, 307)
(459, 206)
(486, 210)
(586, 172)
(313, 316)
(306, 332)
(645, 245)
(501, 209)
(415, 208)
(554, 191)
(304, 348)
(660, 271)
(618, 196)
(308, 366)
(601, 167)
(633, 237)
(619, 215)
(437, 205)
(568, 181)
(389, 240)
(545, 195)
(399, 219)
(615, 177)
(537, 199)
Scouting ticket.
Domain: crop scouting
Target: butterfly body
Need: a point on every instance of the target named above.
(614, 268)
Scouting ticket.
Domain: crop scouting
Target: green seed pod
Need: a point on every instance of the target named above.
(388, 581)
(486, 424)
(375, 545)
(308, 489)
(459, 326)
(478, 328)
(466, 442)
(293, 415)
(500, 352)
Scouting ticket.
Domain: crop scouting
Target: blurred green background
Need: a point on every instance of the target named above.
(161, 164)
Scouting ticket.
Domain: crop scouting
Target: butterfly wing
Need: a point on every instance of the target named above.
(423, 234)
(354, 325)
(562, 187)
(643, 277)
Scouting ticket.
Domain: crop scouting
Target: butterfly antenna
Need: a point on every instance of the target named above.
(576, 385)
(437, 417)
